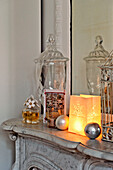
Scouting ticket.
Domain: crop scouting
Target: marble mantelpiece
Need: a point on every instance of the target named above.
(37, 146)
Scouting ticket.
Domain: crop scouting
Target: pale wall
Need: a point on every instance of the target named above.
(19, 36)
(90, 18)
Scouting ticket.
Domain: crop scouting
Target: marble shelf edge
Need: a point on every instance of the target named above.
(95, 153)
(37, 133)
(61, 138)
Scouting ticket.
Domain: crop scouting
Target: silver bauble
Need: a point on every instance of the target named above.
(92, 130)
(62, 122)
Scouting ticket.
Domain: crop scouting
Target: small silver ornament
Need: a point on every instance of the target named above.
(62, 122)
(92, 130)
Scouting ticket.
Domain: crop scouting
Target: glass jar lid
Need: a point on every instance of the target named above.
(51, 54)
(99, 52)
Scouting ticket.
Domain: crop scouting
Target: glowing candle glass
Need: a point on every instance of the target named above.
(84, 109)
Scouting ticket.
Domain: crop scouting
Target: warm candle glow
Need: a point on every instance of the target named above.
(84, 109)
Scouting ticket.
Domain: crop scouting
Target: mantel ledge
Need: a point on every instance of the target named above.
(94, 148)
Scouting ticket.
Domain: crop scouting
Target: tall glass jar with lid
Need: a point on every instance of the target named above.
(93, 61)
(51, 70)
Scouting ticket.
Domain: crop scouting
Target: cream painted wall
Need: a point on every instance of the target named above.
(19, 45)
(89, 19)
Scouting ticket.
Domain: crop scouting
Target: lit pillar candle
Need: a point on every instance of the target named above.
(84, 109)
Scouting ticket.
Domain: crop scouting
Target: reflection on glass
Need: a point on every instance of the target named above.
(93, 61)
(89, 19)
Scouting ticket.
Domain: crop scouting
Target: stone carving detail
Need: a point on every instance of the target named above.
(45, 156)
(36, 154)
(12, 136)
(94, 164)
(34, 168)
(39, 162)
(37, 149)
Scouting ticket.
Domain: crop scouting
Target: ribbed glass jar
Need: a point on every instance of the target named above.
(93, 61)
(51, 69)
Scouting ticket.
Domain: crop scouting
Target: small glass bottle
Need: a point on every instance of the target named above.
(30, 114)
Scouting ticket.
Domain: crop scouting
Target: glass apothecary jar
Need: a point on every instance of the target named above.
(50, 70)
(93, 61)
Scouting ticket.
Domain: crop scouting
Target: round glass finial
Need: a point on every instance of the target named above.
(98, 40)
(51, 39)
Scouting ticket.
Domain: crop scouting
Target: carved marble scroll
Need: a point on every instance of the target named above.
(13, 136)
